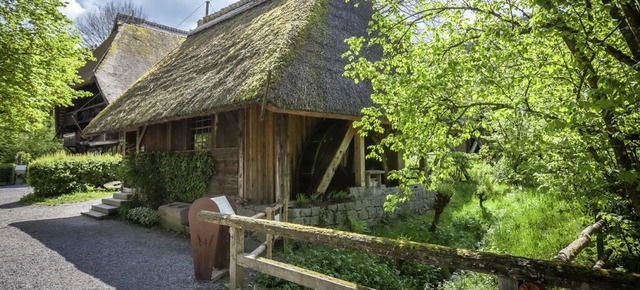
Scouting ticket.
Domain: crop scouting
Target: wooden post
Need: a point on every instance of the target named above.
(269, 236)
(358, 163)
(236, 272)
(506, 283)
(285, 217)
(214, 132)
(241, 152)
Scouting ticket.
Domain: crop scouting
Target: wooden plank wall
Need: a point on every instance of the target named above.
(225, 181)
(155, 138)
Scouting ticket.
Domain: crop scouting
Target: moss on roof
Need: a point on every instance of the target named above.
(226, 64)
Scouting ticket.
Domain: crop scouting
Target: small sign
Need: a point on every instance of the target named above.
(223, 204)
(20, 169)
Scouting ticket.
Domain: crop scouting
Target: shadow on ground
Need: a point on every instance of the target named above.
(121, 255)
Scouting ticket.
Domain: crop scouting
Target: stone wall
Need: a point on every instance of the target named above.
(367, 206)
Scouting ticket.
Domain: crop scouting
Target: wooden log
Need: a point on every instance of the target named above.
(603, 259)
(553, 273)
(572, 250)
(297, 275)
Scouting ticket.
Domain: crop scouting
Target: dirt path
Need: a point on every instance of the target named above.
(54, 247)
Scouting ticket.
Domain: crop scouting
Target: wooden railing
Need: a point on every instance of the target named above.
(510, 268)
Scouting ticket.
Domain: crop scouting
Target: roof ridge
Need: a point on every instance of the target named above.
(225, 13)
(140, 21)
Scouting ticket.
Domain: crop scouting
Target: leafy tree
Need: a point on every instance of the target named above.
(39, 59)
(96, 25)
(551, 86)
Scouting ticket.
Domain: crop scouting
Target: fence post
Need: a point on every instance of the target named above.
(269, 236)
(236, 272)
(285, 215)
(506, 283)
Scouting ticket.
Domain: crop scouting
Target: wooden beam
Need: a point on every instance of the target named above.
(214, 136)
(139, 137)
(241, 152)
(295, 274)
(551, 273)
(169, 129)
(335, 161)
(358, 162)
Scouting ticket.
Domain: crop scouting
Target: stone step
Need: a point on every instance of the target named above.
(94, 214)
(115, 201)
(123, 195)
(104, 208)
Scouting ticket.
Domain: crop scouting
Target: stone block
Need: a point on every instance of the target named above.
(313, 221)
(315, 211)
(305, 212)
(363, 215)
(294, 213)
(175, 216)
(298, 220)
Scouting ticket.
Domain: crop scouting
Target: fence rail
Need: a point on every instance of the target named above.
(551, 273)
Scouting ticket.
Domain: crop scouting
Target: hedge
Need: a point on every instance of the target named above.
(62, 173)
(165, 177)
(6, 173)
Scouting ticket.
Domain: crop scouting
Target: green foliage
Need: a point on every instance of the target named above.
(7, 174)
(62, 173)
(551, 91)
(319, 199)
(144, 216)
(40, 55)
(360, 268)
(469, 280)
(34, 144)
(165, 177)
(23, 158)
(79, 196)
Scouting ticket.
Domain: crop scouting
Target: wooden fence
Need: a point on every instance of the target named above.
(508, 268)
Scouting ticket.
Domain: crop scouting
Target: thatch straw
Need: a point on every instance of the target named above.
(225, 65)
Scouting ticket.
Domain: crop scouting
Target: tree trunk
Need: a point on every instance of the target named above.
(439, 205)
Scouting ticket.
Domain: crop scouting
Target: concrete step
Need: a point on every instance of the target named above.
(115, 201)
(104, 208)
(123, 195)
(94, 214)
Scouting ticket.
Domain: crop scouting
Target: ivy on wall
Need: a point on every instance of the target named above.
(165, 177)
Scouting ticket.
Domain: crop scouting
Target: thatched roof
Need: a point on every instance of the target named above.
(224, 63)
(134, 46)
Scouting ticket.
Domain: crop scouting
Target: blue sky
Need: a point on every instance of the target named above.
(167, 12)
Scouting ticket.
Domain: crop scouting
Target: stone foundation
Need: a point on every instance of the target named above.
(367, 206)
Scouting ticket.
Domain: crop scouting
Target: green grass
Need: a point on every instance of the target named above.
(31, 199)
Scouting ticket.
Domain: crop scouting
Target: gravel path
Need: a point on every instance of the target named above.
(54, 247)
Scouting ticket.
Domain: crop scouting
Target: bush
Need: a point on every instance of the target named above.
(62, 173)
(165, 177)
(143, 216)
(6, 173)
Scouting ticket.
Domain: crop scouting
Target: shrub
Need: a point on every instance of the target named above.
(165, 177)
(6, 173)
(62, 173)
(143, 216)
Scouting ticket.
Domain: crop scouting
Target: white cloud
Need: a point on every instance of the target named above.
(73, 9)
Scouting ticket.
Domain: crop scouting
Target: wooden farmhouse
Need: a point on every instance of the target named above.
(260, 85)
(132, 48)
